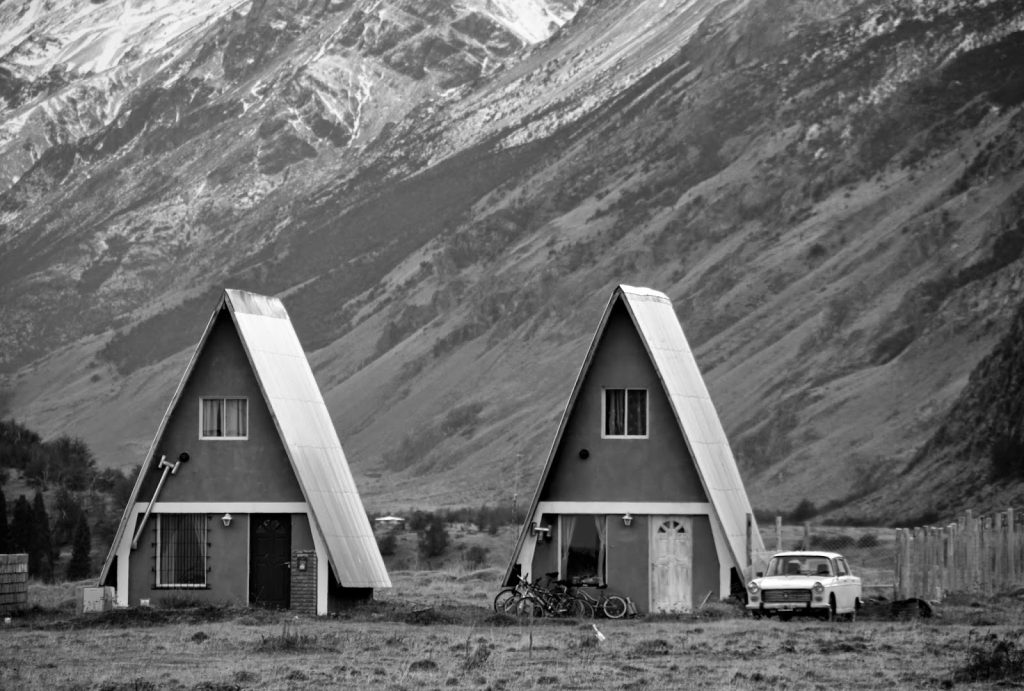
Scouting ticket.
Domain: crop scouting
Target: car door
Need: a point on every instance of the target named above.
(846, 592)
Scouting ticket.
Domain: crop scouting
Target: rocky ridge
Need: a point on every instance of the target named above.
(828, 191)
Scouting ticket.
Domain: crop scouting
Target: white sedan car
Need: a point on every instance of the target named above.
(805, 583)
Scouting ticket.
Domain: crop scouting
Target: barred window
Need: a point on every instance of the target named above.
(224, 418)
(181, 550)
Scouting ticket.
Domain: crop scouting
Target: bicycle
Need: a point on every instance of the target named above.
(613, 606)
(535, 600)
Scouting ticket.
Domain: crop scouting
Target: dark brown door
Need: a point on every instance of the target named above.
(270, 550)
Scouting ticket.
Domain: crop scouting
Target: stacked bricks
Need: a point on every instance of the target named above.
(303, 593)
(13, 582)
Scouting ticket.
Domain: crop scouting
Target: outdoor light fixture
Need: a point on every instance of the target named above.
(226, 519)
(627, 519)
(541, 531)
(584, 454)
(302, 563)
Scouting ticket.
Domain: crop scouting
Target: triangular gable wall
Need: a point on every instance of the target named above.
(659, 329)
(306, 431)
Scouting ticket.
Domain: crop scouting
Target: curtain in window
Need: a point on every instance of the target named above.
(636, 415)
(601, 523)
(615, 412)
(213, 423)
(234, 417)
(567, 525)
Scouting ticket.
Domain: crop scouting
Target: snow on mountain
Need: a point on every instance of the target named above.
(444, 192)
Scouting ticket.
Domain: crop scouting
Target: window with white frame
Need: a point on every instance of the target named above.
(624, 413)
(181, 550)
(224, 418)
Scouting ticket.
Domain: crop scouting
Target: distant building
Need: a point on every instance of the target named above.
(640, 488)
(245, 495)
(390, 522)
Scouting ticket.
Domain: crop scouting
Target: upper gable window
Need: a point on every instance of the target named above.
(625, 413)
(224, 418)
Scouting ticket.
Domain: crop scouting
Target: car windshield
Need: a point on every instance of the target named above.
(794, 565)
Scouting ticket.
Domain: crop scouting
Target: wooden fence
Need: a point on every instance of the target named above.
(983, 555)
(13, 582)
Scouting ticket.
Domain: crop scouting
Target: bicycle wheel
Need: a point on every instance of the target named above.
(583, 609)
(503, 598)
(614, 607)
(528, 606)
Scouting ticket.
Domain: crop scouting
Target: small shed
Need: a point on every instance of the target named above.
(640, 489)
(245, 495)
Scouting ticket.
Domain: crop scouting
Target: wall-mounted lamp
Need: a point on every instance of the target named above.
(584, 454)
(627, 519)
(542, 532)
(226, 519)
(302, 563)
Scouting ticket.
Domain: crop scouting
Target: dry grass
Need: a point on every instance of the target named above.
(433, 631)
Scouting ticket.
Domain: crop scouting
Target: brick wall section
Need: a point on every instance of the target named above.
(13, 582)
(303, 595)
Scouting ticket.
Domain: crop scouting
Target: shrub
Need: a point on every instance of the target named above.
(992, 659)
(387, 543)
(477, 556)
(868, 540)
(804, 511)
(433, 538)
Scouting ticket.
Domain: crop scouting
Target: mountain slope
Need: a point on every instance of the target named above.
(828, 191)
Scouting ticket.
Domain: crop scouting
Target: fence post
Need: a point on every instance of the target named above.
(897, 585)
(1011, 547)
(1002, 572)
(971, 566)
(778, 533)
(902, 564)
(949, 577)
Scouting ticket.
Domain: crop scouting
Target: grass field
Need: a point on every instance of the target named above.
(435, 630)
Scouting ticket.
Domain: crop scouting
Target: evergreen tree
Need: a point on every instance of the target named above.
(43, 541)
(67, 510)
(4, 535)
(81, 559)
(20, 533)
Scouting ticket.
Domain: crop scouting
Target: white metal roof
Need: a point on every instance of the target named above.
(662, 335)
(307, 433)
(670, 352)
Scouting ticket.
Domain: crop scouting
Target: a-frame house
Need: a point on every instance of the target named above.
(245, 495)
(640, 489)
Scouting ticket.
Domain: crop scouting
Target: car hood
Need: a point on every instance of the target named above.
(801, 582)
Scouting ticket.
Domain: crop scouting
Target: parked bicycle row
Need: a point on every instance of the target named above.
(548, 597)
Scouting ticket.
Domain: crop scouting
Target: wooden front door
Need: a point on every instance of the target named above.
(270, 553)
(671, 563)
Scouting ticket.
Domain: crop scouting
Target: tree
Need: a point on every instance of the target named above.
(42, 542)
(16, 441)
(20, 533)
(81, 554)
(67, 510)
(4, 533)
(433, 537)
(74, 464)
(387, 543)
